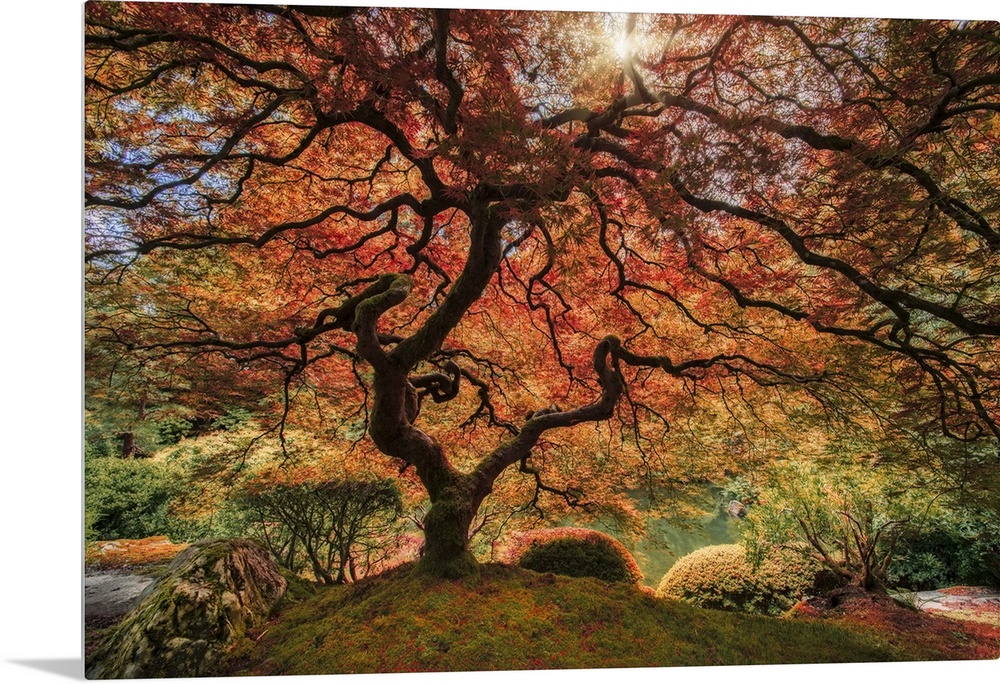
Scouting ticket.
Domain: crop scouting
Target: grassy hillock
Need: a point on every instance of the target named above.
(512, 619)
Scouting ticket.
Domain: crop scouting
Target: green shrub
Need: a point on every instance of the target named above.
(577, 552)
(232, 419)
(723, 578)
(90, 519)
(740, 489)
(103, 435)
(127, 498)
(956, 549)
(98, 443)
(919, 570)
(173, 429)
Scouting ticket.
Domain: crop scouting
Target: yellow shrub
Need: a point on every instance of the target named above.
(722, 577)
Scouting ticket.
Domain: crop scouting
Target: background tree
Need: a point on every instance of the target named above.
(849, 522)
(340, 529)
(484, 235)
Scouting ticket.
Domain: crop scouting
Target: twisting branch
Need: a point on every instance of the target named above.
(570, 495)
(389, 291)
(442, 21)
(519, 447)
(441, 387)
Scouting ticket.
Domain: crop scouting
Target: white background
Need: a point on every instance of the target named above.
(40, 364)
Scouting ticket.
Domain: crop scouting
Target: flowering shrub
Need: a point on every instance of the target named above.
(576, 552)
(722, 577)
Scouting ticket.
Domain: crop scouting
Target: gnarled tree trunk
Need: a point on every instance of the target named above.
(446, 532)
(455, 496)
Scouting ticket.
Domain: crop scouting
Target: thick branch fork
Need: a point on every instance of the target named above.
(455, 496)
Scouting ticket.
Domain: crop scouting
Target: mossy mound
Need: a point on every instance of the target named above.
(512, 619)
(721, 577)
(576, 552)
(212, 593)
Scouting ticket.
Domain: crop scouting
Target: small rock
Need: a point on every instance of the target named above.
(736, 509)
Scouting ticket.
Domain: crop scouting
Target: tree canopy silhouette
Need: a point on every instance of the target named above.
(468, 231)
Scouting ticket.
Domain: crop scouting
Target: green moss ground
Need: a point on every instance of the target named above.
(511, 619)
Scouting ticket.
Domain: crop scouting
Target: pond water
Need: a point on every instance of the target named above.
(666, 540)
(668, 537)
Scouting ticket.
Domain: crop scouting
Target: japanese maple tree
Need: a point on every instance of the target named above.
(473, 230)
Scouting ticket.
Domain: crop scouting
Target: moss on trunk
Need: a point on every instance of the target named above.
(446, 534)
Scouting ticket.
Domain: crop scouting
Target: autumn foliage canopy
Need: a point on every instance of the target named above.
(526, 250)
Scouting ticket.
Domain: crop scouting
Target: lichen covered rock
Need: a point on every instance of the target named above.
(212, 593)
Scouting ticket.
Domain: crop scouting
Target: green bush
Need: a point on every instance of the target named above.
(102, 435)
(127, 498)
(723, 578)
(90, 533)
(740, 489)
(578, 552)
(956, 549)
(98, 443)
(919, 570)
(173, 429)
(232, 419)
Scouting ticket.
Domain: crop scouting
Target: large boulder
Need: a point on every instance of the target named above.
(212, 593)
